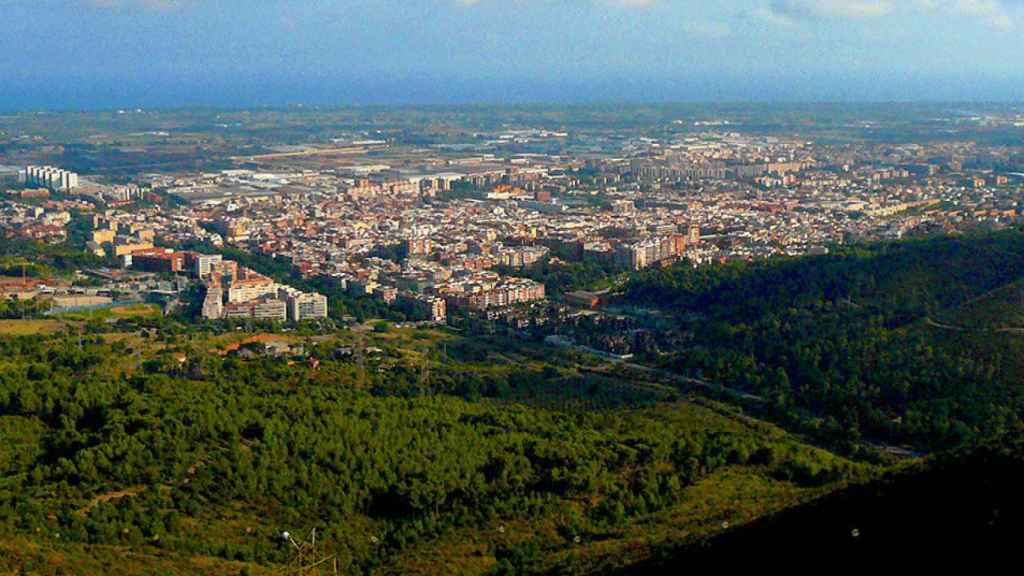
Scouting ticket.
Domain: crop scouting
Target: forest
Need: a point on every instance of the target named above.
(132, 443)
(907, 342)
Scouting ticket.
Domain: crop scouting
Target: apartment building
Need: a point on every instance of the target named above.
(263, 308)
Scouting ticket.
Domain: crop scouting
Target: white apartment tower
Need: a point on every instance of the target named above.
(50, 177)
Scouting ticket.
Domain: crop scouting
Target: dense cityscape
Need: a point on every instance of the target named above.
(456, 226)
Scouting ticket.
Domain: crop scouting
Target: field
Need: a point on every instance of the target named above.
(29, 327)
(115, 313)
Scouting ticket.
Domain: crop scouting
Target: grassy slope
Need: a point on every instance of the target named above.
(29, 327)
(115, 313)
(32, 556)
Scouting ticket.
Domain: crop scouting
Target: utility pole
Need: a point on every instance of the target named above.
(307, 562)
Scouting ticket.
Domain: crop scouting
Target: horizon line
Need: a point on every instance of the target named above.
(483, 103)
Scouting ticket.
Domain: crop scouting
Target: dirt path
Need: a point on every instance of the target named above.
(1007, 330)
(110, 496)
(934, 324)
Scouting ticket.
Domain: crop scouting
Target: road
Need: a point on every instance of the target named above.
(683, 380)
(700, 382)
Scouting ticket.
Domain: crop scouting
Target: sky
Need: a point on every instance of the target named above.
(74, 54)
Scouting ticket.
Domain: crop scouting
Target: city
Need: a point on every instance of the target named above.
(509, 288)
(425, 230)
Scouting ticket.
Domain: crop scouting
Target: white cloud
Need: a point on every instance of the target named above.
(144, 4)
(616, 3)
(994, 13)
(810, 9)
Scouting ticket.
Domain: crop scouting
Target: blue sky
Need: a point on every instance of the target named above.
(102, 53)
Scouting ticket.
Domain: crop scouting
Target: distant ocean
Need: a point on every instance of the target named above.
(91, 94)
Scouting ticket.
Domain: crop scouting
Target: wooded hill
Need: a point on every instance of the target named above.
(914, 342)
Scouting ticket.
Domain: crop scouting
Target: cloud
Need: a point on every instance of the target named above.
(140, 4)
(994, 13)
(615, 3)
(814, 9)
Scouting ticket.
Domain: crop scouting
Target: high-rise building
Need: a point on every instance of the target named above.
(50, 177)
(306, 306)
(264, 308)
(202, 265)
(249, 285)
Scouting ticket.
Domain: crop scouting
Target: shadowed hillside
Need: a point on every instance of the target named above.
(965, 501)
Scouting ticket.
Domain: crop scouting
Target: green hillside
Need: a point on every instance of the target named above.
(131, 453)
(911, 342)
